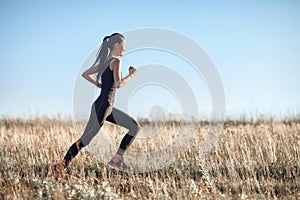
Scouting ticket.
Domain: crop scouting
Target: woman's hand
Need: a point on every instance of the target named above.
(99, 85)
(87, 75)
(132, 70)
(118, 80)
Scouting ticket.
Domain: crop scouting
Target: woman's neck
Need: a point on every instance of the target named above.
(112, 56)
(113, 53)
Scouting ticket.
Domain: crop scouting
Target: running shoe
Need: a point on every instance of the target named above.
(56, 170)
(118, 163)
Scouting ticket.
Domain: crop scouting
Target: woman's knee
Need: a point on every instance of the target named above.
(138, 128)
(135, 128)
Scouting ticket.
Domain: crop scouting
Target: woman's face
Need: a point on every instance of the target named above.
(120, 48)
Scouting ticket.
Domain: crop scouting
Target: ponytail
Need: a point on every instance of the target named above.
(104, 50)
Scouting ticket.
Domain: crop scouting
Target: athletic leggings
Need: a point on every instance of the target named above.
(102, 110)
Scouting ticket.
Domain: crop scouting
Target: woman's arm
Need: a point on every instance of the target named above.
(87, 75)
(119, 81)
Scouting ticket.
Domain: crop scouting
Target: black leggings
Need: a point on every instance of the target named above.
(102, 110)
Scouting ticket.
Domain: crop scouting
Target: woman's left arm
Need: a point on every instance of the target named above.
(87, 75)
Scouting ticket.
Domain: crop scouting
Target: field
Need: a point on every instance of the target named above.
(251, 160)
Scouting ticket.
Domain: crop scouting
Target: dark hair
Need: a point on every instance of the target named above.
(104, 50)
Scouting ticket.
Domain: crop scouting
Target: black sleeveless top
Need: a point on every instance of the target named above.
(108, 88)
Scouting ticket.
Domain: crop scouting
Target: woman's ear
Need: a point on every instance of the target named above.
(116, 45)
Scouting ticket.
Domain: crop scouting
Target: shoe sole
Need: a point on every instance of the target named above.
(54, 172)
(117, 167)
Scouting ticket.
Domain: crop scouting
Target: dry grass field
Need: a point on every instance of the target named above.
(251, 160)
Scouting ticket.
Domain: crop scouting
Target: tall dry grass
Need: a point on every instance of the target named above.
(251, 160)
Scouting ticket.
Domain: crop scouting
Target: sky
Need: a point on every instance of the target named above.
(254, 45)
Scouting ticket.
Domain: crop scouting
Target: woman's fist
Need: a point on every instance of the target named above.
(132, 70)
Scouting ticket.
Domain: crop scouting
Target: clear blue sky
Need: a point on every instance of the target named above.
(255, 46)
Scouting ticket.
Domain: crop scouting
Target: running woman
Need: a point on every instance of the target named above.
(108, 68)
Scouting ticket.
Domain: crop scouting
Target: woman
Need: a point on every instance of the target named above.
(108, 67)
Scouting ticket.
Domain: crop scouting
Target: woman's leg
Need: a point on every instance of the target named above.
(100, 110)
(122, 119)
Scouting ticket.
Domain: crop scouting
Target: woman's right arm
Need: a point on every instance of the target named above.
(87, 75)
(119, 81)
